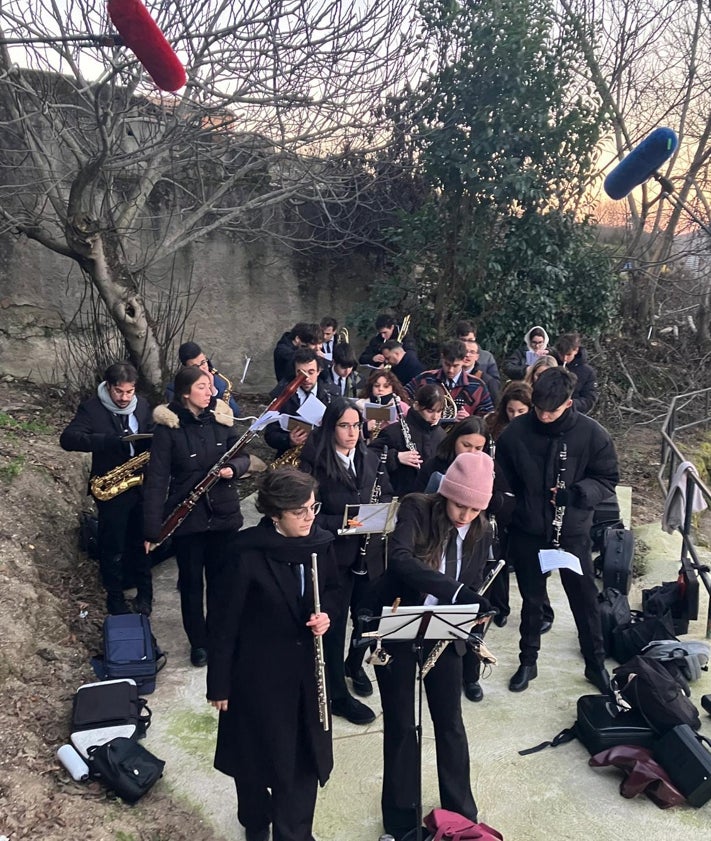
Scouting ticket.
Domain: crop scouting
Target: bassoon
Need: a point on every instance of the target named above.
(181, 511)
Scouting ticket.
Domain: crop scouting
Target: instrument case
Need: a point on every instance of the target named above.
(130, 651)
(686, 757)
(617, 555)
(599, 726)
(606, 514)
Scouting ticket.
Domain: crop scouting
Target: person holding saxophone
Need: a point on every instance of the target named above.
(263, 673)
(105, 426)
(438, 552)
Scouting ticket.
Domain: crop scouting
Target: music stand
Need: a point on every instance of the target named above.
(419, 623)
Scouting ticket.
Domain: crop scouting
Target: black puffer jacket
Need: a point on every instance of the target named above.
(528, 453)
(183, 450)
(586, 390)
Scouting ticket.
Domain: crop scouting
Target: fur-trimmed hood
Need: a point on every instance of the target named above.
(173, 414)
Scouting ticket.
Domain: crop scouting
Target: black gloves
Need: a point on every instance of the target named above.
(467, 596)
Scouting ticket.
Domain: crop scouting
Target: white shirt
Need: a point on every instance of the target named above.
(462, 532)
(347, 461)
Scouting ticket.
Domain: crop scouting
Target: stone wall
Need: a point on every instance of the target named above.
(249, 294)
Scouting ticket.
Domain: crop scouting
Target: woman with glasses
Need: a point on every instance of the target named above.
(192, 433)
(535, 345)
(261, 675)
(347, 471)
(414, 440)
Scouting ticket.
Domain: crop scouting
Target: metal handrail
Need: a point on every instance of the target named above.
(671, 458)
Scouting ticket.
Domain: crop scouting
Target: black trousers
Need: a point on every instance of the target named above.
(122, 558)
(443, 687)
(202, 558)
(581, 591)
(289, 809)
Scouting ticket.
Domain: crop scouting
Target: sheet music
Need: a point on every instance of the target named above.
(372, 518)
(264, 420)
(378, 412)
(311, 410)
(447, 622)
(551, 559)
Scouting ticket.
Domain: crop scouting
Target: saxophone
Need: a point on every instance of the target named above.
(320, 659)
(121, 479)
(559, 509)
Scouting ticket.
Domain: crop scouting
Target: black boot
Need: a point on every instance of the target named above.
(116, 604)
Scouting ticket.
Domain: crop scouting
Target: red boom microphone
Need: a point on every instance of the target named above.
(141, 34)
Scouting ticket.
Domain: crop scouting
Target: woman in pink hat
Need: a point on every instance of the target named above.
(437, 555)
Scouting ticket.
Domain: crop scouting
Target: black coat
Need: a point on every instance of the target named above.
(410, 578)
(425, 436)
(408, 367)
(375, 346)
(284, 358)
(184, 449)
(528, 453)
(586, 390)
(336, 493)
(96, 430)
(277, 437)
(262, 657)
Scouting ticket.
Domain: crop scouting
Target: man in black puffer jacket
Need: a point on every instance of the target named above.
(558, 462)
(570, 354)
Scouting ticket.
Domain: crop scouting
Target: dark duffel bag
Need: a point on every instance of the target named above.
(685, 756)
(629, 640)
(614, 612)
(125, 767)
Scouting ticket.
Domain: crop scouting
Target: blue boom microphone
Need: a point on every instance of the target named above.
(641, 163)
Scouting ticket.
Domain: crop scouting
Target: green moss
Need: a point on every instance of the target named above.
(195, 733)
(8, 422)
(12, 469)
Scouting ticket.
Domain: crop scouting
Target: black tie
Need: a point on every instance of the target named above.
(450, 558)
(450, 384)
(340, 385)
(124, 423)
(296, 569)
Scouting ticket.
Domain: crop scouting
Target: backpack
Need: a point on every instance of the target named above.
(600, 725)
(130, 651)
(647, 687)
(684, 659)
(125, 767)
(614, 612)
(629, 640)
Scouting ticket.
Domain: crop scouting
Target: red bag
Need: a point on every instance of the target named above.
(451, 826)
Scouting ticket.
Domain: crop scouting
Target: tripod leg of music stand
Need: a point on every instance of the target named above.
(420, 689)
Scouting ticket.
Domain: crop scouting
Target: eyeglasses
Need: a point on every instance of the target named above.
(344, 426)
(303, 513)
(538, 341)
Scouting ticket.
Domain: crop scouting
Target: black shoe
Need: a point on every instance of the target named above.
(257, 834)
(599, 677)
(500, 620)
(198, 657)
(473, 691)
(522, 677)
(142, 606)
(116, 605)
(361, 682)
(352, 710)
(546, 625)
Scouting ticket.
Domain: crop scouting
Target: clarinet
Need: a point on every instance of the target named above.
(409, 443)
(560, 485)
(361, 568)
(320, 659)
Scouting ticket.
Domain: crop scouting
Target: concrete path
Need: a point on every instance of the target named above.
(552, 794)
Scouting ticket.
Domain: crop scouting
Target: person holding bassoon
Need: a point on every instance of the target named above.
(192, 432)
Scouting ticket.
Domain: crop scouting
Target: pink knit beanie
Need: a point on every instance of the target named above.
(469, 480)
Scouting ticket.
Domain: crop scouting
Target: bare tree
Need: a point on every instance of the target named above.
(650, 61)
(99, 166)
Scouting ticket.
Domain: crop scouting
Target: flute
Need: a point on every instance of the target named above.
(320, 659)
